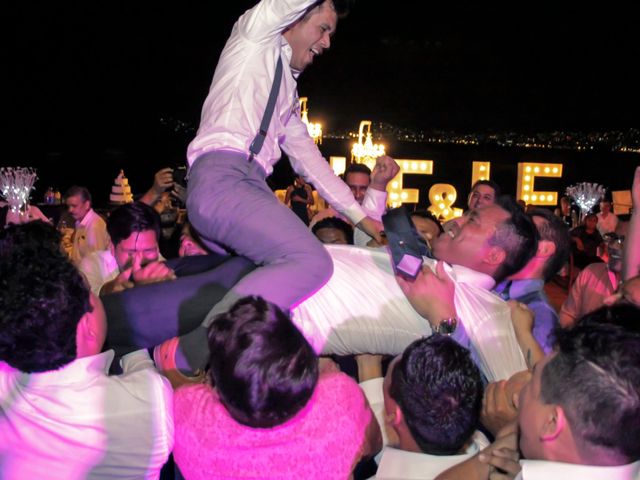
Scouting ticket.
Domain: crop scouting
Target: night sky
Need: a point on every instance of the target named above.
(104, 73)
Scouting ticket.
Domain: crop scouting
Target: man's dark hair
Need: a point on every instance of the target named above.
(263, 368)
(81, 192)
(595, 377)
(429, 216)
(439, 390)
(553, 230)
(356, 168)
(517, 235)
(42, 299)
(132, 217)
(489, 183)
(335, 222)
(341, 7)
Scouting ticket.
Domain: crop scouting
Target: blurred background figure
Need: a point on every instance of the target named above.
(607, 220)
(90, 229)
(299, 197)
(333, 230)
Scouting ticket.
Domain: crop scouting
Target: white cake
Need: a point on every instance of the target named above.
(121, 191)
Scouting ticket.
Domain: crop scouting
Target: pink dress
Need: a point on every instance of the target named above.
(323, 441)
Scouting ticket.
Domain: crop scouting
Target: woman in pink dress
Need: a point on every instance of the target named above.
(268, 412)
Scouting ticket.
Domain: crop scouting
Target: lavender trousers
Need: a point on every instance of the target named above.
(230, 206)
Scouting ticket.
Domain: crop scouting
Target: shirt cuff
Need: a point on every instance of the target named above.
(354, 212)
(134, 361)
(375, 202)
(373, 390)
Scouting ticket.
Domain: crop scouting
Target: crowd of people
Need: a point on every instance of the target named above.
(267, 344)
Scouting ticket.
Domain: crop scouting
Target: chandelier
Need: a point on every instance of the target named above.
(367, 151)
(314, 129)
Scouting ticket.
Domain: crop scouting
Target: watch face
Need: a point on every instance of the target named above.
(448, 326)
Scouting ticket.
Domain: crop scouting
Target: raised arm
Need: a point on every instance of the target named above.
(270, 17)
(631, 265)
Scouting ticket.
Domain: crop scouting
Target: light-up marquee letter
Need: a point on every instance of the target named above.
(338, 164)
(480, 171)
(399, 195)
(442, 197)
(527, 173)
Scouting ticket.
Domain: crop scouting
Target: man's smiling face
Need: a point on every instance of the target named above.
(311, 35)
(466, 241)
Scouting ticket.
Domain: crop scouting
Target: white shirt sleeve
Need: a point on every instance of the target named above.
(270, 17)
(373, 391)
(374, 205)
(307, 161)
(135, 361)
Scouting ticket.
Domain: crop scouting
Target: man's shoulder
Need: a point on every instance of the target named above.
(591, 272)
(338, 384)
(543, 469)
(95, 220)
(97, 259)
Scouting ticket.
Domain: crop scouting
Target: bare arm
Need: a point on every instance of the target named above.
(631, 264)
(287, 196)
(162, 180)
(310, 199)
(431, 294)
(499, 402)
(502, 454)
(522, 318)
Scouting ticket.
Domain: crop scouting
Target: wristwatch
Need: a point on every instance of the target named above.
(446, 326)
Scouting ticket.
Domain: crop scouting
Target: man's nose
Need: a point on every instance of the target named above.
(326, 41)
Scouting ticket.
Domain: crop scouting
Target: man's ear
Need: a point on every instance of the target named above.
(395, 416)
(546, 248)
(86, 326)
(554, 424)
(495, 256)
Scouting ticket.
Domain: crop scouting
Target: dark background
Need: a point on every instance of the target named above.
(97, 86)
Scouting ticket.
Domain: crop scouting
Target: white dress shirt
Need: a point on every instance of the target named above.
(374, 205)
(399, 464)
(99, 268)
(79, 423)
(361, 309)
(237, 99)
(607, 224)
(90, 236)
(543, 470)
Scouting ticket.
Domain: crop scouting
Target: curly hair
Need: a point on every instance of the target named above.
(42, 299)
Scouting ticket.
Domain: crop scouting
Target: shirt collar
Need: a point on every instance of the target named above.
(286, 52)
(397, 463)
(88, 216)
(542, 470)
(520, 288)
(466, 275)
(78, 370)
